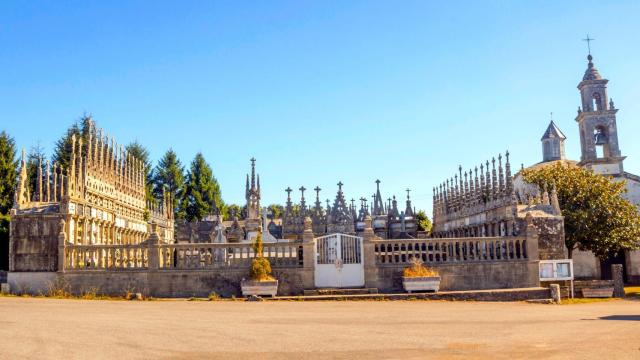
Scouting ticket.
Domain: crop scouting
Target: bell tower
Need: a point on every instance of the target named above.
(597, 123)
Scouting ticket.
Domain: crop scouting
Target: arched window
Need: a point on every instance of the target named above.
(601, 141)
(597, 102)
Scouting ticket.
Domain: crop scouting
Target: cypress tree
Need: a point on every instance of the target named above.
(202, 195)
(8, 171)
(169, 176)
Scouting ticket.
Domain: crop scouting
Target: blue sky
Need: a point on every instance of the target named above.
(318, 91)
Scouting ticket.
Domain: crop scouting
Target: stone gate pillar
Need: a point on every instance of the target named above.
(369, 255)
(308, 254)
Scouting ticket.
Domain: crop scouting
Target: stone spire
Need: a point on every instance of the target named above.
(409, 210)
(378, 206)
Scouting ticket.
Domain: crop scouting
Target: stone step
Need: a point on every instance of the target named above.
(339, 291)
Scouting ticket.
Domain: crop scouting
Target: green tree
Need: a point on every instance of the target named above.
(596, 216)
(35, 157)
(202, 194)
(4, 242)
(8, 171)
(169, 176)
(424, 223)
(141, 153)
(62, 149)
(276, 210)
(231, 209)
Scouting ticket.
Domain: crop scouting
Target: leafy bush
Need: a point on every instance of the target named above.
(260, 267)
(417, 269)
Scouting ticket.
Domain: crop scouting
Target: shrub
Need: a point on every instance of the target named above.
(260, 267)
(417, 269)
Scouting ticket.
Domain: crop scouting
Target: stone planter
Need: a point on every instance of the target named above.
(597, 292)
(426, 283)
(259, 288)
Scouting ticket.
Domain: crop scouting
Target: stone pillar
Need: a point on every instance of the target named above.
(532, 239)
(308, 255)
(62, 238)
(555, 293)
(618, 281)
(369, 255)
(533, 255)
(152, 243)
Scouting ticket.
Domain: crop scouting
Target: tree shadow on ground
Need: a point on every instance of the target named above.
(621, 317)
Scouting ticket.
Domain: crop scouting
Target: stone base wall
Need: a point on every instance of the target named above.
(198, 283)
(470, 276)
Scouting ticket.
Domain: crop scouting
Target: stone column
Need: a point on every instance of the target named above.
(62, 237)
(308, 255)
(371, 276)
(533, 256)
(532, 239)
(152, 243)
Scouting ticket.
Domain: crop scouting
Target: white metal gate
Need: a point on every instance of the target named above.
(339, 261)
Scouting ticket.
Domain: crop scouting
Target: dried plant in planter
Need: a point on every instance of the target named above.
(260, 266)
(417, 269)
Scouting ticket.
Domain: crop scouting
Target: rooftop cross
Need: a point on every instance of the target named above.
(408, 191)
(340, 186)
(588, 40)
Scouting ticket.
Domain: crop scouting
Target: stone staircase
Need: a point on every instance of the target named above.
(339, 291)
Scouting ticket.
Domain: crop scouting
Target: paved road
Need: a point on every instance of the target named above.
(46, 328)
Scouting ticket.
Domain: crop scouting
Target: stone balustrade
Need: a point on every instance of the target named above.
(200, 256)
(229, 256)
(106, 257)
(456, 250)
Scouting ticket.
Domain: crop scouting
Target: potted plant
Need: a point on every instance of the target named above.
(261, 282)
(418, 277)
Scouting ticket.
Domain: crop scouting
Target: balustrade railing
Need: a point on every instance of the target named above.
(106, 257)
(450, 250)
(178, 256)
(231, 256)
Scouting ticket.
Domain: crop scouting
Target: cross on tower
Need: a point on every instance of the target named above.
(340, 186)
(317, 190)
(409, 190)
(288, 190)
(588, 40)
(302, 189)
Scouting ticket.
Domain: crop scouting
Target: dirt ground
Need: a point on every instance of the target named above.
(91, 329)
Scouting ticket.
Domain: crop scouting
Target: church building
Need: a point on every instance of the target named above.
(600, 152)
